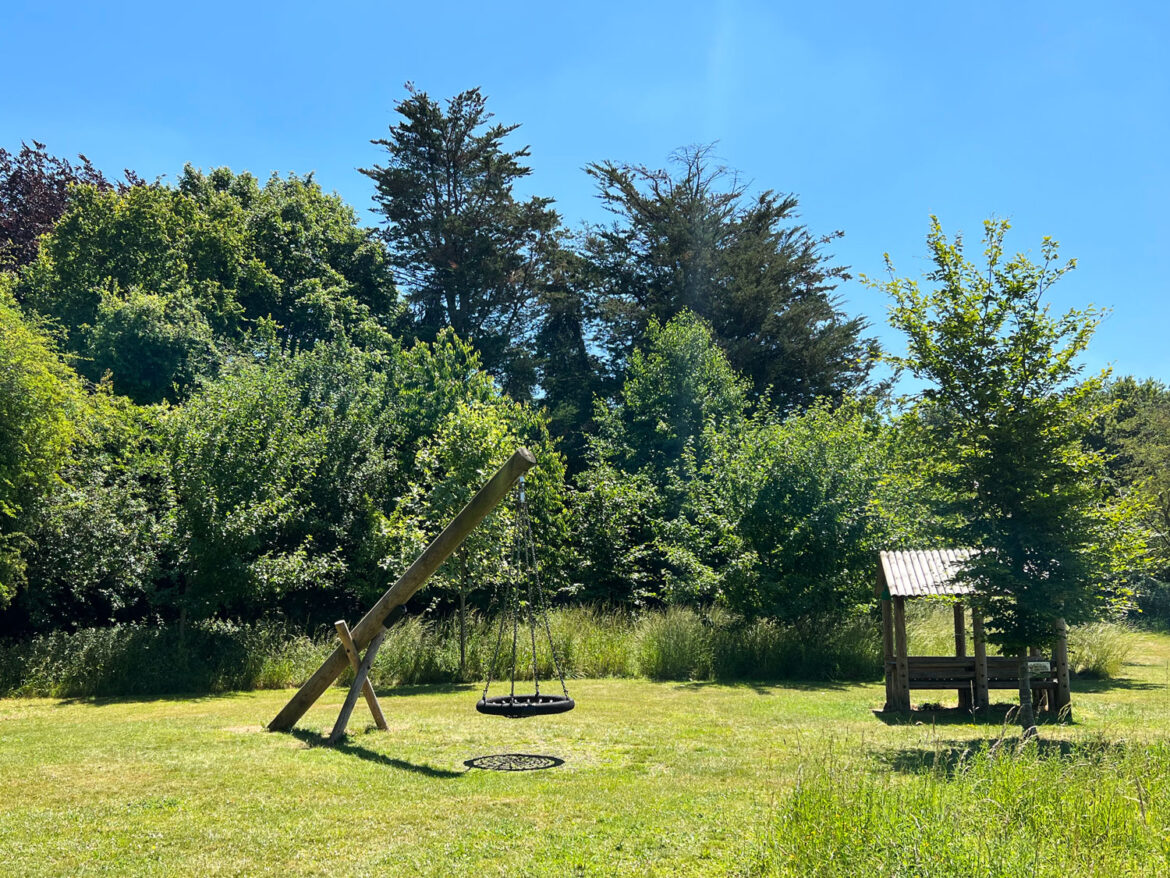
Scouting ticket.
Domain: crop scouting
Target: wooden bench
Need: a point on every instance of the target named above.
(958, 672)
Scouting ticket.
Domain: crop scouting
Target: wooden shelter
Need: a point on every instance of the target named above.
(930, 573)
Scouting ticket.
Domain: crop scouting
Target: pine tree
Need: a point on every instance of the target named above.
(697, 241)
(468, 253)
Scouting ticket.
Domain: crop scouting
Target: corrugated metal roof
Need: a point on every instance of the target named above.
(923, 572)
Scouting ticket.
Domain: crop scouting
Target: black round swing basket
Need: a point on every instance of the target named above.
(517, 706)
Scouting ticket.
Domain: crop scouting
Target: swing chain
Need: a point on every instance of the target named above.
(541, 605)
(522, 556)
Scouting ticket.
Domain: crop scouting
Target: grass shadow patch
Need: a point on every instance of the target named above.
(999, 714)
(426, 689)
(346, 746)
(947, 757)
(107, 700)
(1090, 684)
(767, 688)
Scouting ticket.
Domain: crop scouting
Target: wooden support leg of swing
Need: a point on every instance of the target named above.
(359, 681)
(367, 687)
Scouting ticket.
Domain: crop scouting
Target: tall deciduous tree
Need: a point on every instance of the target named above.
(1006, 416)
(39, 399)
(652, 443)
(695, 240)
(153, 283)
(1134, 434)
(469, 254)
(800, 504)
(472, 441)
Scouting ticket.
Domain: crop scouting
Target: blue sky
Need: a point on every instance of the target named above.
(1053, 115)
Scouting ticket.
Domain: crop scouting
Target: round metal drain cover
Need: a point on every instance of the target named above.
(514, 762)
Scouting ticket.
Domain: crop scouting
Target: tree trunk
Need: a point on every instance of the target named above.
(1027, 715)
(462, 616)
(462, 634)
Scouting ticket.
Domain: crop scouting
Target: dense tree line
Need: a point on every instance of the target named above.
(226, 397)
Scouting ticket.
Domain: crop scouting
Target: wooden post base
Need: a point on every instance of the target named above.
(360, 681)
(367, 688)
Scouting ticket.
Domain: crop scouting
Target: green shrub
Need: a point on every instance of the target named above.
(1153, 605)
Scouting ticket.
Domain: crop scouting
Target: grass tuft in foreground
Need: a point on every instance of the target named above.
(1050, 808)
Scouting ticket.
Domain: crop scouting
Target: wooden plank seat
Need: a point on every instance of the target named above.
(946, 671)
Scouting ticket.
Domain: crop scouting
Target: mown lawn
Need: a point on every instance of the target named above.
(658, 778)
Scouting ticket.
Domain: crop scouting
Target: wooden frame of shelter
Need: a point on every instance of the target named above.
(930, 574)
(368, 633)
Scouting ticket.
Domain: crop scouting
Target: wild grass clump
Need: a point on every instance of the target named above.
(930, 627)
(673, 645)
(1101, 649)
(593, 641)
(145, 660)
(1097, 809)
(677, 643)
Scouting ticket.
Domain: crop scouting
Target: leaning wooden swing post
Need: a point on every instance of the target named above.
(411, 581)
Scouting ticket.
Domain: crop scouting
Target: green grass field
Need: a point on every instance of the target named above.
(658, 778)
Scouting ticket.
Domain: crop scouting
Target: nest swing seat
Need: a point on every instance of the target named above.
(517, 706)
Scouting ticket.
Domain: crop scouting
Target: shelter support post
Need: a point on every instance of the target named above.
(411, 581)
(1063, 705)
(901, 655)
(982, 701)
(889, 668)
(961, 652)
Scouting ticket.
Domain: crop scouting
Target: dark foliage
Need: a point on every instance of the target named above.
(34, 192)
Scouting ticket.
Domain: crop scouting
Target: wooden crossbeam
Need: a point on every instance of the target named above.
(411, 581)
(355, 663)
(360, 679)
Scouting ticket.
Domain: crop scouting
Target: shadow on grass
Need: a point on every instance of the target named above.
(996, 715)
(316, 739)
(948, 756)
(762, 687)
(104, 700)
(425, 689)
(1108, 684)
